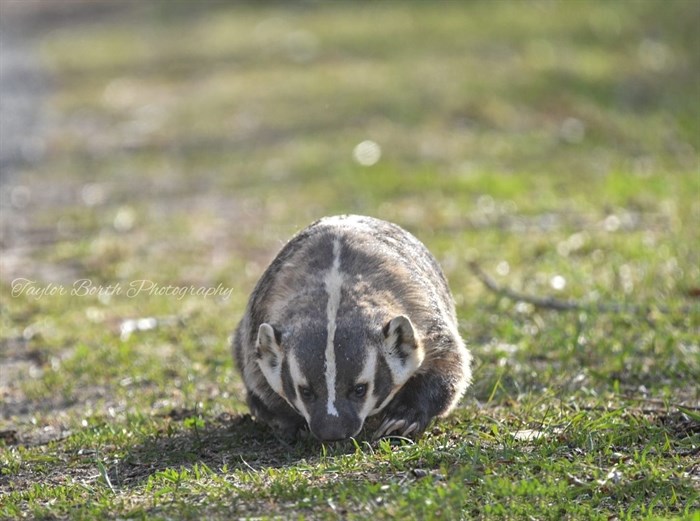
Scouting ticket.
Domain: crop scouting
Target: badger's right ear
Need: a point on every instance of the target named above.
(270, 354)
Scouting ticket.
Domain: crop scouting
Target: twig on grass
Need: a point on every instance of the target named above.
(643, 410)
(540, 302)
(568, 305)
(656, 401)
(248, 465)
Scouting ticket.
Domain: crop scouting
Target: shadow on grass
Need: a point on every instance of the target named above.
(230, 442)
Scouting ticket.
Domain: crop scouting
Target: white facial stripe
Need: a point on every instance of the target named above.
(401, 370)
(367, 375)
(298, 379)
(333, 281)
(386, 401)
(273, 376)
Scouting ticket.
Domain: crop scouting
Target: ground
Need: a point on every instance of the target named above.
(554, 144)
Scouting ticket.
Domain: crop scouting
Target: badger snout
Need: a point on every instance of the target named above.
(335, 428)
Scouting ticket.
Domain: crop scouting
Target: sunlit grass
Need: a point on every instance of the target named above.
(553, 143)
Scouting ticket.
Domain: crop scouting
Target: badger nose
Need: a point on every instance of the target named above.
(330, 432)
(335, 429)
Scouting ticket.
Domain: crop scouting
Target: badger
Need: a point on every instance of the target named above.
(353, 318)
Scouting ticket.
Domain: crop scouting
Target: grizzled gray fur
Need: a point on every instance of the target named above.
(353, 318)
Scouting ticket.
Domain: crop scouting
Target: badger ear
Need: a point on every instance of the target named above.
(268, 343)
(403, 352)
(270, 354)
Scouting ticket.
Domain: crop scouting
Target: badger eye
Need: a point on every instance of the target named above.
(306, 392)
(360, 390)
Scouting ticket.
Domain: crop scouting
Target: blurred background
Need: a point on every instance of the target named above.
(554, 142)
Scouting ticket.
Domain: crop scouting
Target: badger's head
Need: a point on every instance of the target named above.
(336, 384)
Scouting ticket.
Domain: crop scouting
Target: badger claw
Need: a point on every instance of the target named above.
(410, 429)
(403, 418)
(397, 426)
(388, 426)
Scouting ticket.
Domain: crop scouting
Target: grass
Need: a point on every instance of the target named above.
(186, 143)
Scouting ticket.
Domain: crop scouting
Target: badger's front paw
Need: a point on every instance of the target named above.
(289, 432)
(402, 419)
(286, 425)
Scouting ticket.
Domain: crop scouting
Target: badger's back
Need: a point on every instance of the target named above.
(383, 266)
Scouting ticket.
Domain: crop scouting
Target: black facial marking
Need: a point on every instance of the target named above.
(383, 381)
(278, 335)
(287, 384)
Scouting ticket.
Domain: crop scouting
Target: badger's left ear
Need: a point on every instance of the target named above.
(402, 350)
(270, 355)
